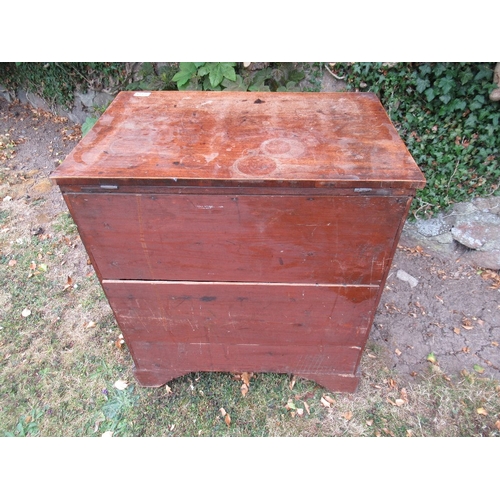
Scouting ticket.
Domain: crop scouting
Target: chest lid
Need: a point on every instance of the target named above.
(243, 139)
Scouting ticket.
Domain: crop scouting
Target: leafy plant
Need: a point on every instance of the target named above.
(443, 114)
(279, 77)
(27, 424)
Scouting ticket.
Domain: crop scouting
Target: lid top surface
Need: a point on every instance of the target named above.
(243, 136)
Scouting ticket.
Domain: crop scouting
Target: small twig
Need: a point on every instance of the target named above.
(333, 74)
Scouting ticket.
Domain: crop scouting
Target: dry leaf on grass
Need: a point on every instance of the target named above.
(245, 376)
(292, 382)
(306, 406)
(120, 385)
(482, 411)
(107, 434)
(348, 415)
(329, 399)
(497, 424)
(325, 403)
(244, 390)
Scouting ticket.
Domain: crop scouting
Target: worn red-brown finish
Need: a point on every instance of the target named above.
(280, 239)
(242, 231)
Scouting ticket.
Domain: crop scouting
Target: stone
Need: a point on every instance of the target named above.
(434, 227)
(479, 231)
(404, 276)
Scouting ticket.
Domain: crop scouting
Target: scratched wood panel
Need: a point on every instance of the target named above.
(286, 239)
(242, 313)
(344, 138)
(168, 357)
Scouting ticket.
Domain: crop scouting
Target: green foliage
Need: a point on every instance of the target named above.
(27, 425)
(57, 82)
(88, 124)
(443, 114)
(280, 77)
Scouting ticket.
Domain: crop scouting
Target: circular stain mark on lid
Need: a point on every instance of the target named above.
(255, 165)
(282, 147)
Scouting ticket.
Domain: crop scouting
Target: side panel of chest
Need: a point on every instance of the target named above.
(280, 239)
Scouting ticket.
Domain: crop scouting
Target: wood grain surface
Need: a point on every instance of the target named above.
(344, 139)
(287, 239)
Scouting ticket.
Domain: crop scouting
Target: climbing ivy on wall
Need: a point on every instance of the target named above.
(57, 82)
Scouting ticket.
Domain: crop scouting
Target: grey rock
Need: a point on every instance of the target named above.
(86, 99)
(434, 227)
(479, 231)
(404, 276)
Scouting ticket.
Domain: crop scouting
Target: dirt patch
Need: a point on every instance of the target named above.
(452, 312)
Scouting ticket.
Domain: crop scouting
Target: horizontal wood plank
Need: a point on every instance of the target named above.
(287, 239)
(242, 313)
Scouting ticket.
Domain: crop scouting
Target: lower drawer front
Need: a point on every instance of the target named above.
(242, 314)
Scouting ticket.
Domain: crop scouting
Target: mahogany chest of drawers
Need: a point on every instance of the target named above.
(242, 231)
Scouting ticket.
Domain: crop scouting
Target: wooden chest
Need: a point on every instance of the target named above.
(242, 231)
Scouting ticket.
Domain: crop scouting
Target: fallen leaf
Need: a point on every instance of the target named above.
(227, 419)
(371, 356)
(107, 434)
(120, 385)
(306, 406)
(400, 402)
(409, 433)
(466, 350)
(456, 330)
(168, 389)
(245, 376)
(431, 357)
(497, 424)
(480, 322)
(369, 423)
(292, 382)
(325, 403)
(329, 399)
(223, 412)
(392, 383)
(26, 313)
(478, 368)
(398, 352)
(33, 265)
(300, 412)
(90, 324)
(467, 324)
(244, 389)
(482, 411)
(404, 395)
(12, 262)
(69, 283)
(494, 344)
(348, 415)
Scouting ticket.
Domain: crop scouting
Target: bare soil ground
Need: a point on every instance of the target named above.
(453, 312)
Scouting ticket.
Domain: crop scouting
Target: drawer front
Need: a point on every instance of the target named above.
(279, 239)
(251, 314)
